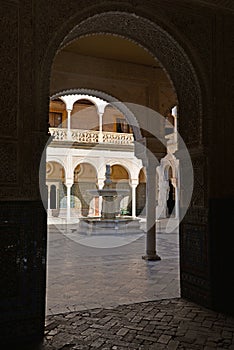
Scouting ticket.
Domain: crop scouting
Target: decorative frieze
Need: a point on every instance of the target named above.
(194, 246)
(198, 198)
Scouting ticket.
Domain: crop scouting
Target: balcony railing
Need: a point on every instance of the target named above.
(90, 136)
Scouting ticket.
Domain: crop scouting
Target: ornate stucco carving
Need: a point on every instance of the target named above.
(8, 163)
(9, 69)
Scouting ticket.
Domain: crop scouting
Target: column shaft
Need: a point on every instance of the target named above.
(134, 201)
(68, 203)
(100, 135)
(48, 198)
(151, 214)
(69, 124)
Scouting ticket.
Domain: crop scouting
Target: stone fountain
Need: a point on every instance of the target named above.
(110, 221)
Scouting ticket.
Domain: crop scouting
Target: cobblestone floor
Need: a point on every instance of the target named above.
(166, 324)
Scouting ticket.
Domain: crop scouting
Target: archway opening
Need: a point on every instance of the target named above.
(144, 82)
(85, 179)
(120, 179)
(141, 193)
(56, 189)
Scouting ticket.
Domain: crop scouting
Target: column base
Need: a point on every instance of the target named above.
(153, 257)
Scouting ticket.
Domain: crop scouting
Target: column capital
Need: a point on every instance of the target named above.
(49, 186)
(134, 182)
(69, 183)
(100, 135)
(101, 183)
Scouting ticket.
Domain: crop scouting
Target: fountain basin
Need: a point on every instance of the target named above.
(111, 200)
(109, 222)
(98, 225)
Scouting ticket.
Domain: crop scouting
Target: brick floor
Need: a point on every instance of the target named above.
(167, 324)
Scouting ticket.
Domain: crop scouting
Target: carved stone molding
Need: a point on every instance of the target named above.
(194, 245)
(8, 163)
(199, 189)
(196, 214)
(9, 69)
(197, 289)
(228, 79)
(194, 262)
(197, 28)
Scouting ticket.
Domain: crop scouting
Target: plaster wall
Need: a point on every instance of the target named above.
(128, 82)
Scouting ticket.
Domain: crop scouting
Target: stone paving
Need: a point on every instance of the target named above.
(82, 277)
(166, 324)
(112, 299)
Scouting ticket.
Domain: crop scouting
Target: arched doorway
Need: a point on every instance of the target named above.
(67, 46)
(125, 173)
(141, 193)
(187, 87)
(170, 193)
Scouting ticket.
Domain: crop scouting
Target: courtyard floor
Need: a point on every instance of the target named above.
(155, 325)
(112, 299)
(81, 277)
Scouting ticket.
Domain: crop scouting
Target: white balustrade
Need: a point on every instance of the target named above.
(118, 138)
(58, 134)
(91, 136)
(84, 136)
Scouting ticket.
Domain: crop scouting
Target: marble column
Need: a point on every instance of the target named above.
(100, 134)
(134, 184)
(151, 213)
(100, 186)
(48, 203)
(69, 124)
(68, 185)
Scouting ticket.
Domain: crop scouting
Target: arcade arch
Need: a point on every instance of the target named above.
(141, 193)
(55, 182)
(85, 179)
